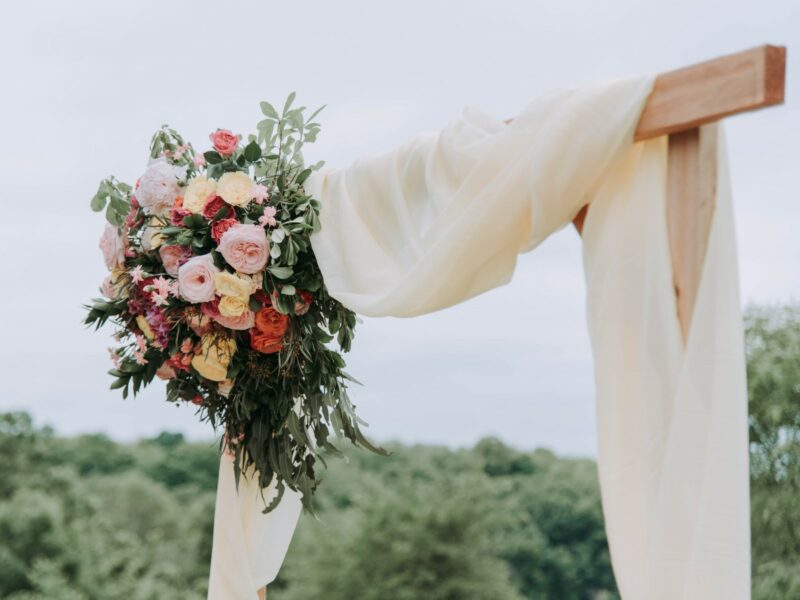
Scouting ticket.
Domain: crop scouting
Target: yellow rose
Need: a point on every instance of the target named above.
(199, 190)
(231, 306)
(118, 282)
(152, 238)
(235, 188)
(145, 327)
(215, 357)
(228, 284)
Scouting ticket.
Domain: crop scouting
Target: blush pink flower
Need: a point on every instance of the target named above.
(224, 141)
(199, 161)
(137, 274)
(268, 218)
(260, 193)
(160, 290)
(196, 279)
(112, 246)
(245, 248)
(172, 257)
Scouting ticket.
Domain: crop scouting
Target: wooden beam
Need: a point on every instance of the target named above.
(706, 92)
(714, 89)
(685, 104)
(691, 200)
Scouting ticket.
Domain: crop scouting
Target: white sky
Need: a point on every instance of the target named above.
(85, 83)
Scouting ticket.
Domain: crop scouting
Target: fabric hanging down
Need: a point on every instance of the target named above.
(443, 218)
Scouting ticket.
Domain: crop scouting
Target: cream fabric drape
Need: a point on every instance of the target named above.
(443, 218)
(249, 546)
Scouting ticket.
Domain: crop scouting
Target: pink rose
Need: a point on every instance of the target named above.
(172, 257)
(112, 247)
(245, 248)
(224, 141)
(196, 279)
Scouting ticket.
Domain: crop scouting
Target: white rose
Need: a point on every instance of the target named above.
(159, 187)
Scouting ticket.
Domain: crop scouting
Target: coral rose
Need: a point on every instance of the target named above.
(196, 279)
(235, 188)
(270, 327)
(224, 141)
(245, 248)
(198, 192)
(218, 228)
(213, 207)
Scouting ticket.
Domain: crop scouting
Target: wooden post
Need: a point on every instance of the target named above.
(685, 104)
(691, 200)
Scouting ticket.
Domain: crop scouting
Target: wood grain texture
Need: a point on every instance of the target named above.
(686, 98)
(691, 201)
(714, 89)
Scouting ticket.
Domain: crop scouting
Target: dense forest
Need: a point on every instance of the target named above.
(86, 518)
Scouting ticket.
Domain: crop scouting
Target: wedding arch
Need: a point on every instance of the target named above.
(638, 167)
(664, 311)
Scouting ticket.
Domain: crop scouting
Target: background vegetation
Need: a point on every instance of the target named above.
(88, 519)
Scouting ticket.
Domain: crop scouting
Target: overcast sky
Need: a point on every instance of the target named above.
(85, 84)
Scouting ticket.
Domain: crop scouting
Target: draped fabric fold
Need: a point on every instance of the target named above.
(443, 218)
(249, 546)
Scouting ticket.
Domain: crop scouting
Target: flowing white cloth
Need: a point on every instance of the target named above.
(249, 546)
(443, 219)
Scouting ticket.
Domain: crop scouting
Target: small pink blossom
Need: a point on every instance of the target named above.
(268, 218)
(137, 274)
(114, 357)
(260, 193)
(187, 346)
(162, 285)
(199, 161)
(139, 358)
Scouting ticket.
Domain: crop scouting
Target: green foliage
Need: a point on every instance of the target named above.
(115, 197)
(773, 374)
(89, 519)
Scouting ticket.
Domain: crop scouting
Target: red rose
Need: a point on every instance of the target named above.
(218, 228)
(224, 141)
(270, 327)
(215, 204)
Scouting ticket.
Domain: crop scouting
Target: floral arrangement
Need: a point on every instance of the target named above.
(214, 287)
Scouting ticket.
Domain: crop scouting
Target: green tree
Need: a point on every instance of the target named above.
(773, 373)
